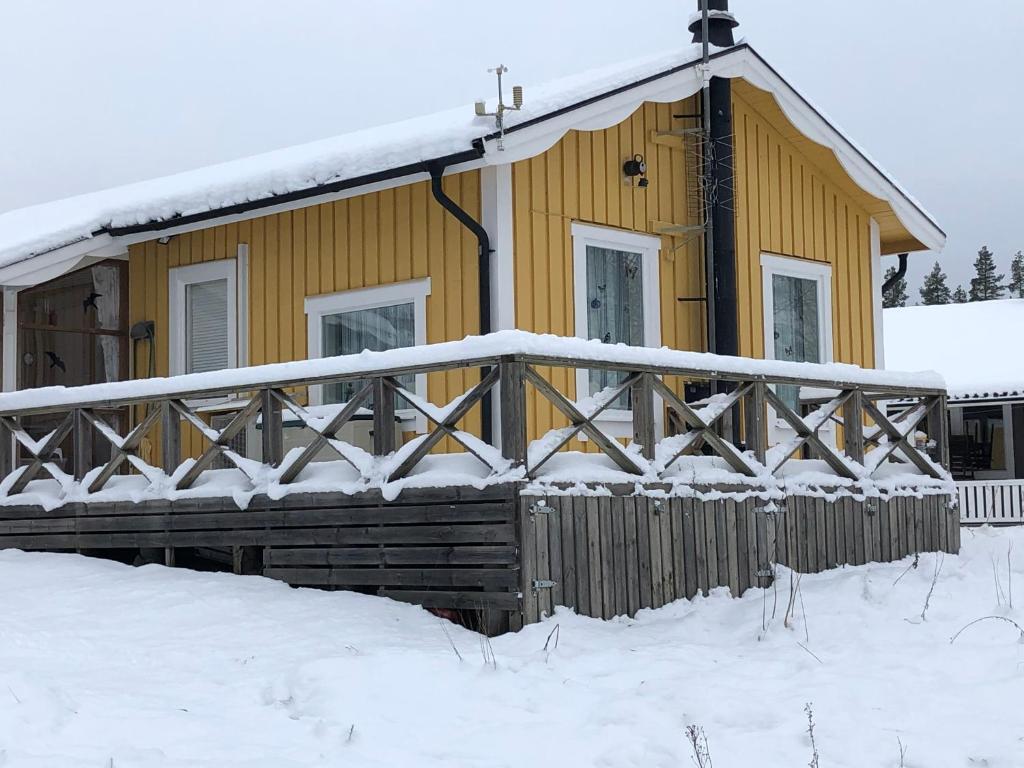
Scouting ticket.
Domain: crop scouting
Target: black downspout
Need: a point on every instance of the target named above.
(436, 170)
(901, 272)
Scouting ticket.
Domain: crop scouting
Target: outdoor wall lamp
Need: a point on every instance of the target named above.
(636, 166)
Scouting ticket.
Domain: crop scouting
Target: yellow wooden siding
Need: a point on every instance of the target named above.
(374, 239)
(580, 179)
(787, 206)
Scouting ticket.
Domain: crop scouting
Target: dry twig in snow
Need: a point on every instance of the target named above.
(986, 618)
(699, 744)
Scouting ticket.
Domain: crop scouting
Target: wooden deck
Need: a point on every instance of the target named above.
(497, 545)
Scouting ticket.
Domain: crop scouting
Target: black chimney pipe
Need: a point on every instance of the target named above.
(719, 193)
(721, 23)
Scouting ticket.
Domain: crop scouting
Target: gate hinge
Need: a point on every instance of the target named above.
(540, 508)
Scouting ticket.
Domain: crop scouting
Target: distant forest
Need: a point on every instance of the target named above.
(987, 283)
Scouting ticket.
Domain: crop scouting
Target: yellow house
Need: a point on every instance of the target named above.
(580, 212)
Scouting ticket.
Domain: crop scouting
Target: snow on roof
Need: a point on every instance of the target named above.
(34, 230)
(971, 345)
(352, 157)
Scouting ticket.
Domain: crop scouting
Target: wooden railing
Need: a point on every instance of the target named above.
(993, 502)
(732, 424)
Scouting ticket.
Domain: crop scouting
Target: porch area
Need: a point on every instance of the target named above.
(728, 466)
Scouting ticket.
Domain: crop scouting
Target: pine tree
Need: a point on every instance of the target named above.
(1016, 285)
(896, 296)
(935, 290)
(986, 284)
(959, 295)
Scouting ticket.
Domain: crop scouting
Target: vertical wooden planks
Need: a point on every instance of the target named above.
(643, 551)
(566, 520)
(594, 557)
(581, 548)
(668, 566)
(607, 561)
(654, 542)
(689, 564)
(620, 574)
(820, 529)
(701, 544)
(632, 555)
(540, 529)
(732, 546)
(554, 531)
(528, 557)
(711, 534)
(675, 510)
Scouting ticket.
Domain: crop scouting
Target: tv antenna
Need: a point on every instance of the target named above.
(499, 113)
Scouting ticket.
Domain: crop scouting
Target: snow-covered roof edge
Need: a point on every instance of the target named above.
(966, 343)
(66, 230)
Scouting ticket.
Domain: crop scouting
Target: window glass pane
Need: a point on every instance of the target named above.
(376, 330)
(795, 326)
(615, 307)
(985, 429)
(206, 326)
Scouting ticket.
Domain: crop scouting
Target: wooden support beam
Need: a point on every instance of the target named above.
(853, 426)
(6, 449)
(938, 429)
(512, 391)
(81, 444)
(383, 417)
(755, 421)
(273, 434)
(642, 394)
(170, 437)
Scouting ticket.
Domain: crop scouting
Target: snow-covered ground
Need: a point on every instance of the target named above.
(106, 665)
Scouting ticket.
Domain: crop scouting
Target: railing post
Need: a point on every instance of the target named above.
(383, 417)
(853, 426)
(81, 445)
(754, 422)
(642, 394)
(273, 436)
(170, 438)
(938, 429)
(512, 389)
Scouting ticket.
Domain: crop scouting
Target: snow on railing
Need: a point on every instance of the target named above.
(731, 425)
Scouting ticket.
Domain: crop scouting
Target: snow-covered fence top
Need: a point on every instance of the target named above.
(469, 352)
(739, 425)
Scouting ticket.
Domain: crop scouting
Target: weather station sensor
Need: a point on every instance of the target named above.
(499, 113)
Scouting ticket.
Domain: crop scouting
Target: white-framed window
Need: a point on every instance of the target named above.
(377, 318)
(205, 306)
(616, 299)
(797, 314)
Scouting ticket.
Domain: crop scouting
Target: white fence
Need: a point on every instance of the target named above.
(991, 501)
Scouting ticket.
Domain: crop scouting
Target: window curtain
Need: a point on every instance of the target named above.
(106, 282)
(374, 330)
(615, 308)
(206, 326)
(795, 327)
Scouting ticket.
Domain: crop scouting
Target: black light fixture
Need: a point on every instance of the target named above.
(636, 166)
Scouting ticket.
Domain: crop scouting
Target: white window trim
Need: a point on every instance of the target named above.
(182, 277)
(617, 422)
(819, 272)
(414, 291)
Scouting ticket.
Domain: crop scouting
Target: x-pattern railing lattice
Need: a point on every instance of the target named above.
(732, 425)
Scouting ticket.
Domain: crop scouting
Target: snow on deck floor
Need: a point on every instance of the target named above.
(106, 665)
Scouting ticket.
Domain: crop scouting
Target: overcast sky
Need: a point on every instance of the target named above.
(95, 94)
